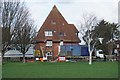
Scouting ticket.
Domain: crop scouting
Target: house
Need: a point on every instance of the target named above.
(117, 45)
(54, 32)
(114, 50)
(117, 49)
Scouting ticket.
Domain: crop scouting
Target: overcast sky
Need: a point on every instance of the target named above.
(72, 10)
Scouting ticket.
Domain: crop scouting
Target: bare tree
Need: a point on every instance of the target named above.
(24, 31)
(8, 13)
(86, 29)
(24, 36)
(17, 27)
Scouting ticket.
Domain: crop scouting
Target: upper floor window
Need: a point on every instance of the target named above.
(53, 22)
(62, 34)
(76, 34)
(48, 33)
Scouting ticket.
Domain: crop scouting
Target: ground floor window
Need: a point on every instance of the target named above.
(49, 43)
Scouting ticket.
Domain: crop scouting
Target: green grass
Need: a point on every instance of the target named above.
(60, 70)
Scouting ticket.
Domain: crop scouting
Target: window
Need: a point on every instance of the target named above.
(49, 43)
(76, 34)
(61, 33)
(49, 54)
(61, 42)
(53, 22)
(48, 33)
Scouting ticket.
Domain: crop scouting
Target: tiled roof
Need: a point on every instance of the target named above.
(56, 23)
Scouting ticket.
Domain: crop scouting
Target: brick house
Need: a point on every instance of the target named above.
(54, 32)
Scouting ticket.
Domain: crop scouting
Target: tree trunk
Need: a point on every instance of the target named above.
(2, 56)
(110, 50)
(24, 58)
(90, 58)
(90, 53)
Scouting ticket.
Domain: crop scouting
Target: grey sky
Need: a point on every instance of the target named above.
(73, 10)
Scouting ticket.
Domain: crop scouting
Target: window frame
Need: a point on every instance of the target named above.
(49, 33)
(49, 43)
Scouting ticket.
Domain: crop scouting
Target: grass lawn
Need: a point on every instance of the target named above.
(60, 70)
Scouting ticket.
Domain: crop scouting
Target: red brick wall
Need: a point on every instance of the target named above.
(55, 49)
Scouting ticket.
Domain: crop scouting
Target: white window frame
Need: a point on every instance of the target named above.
(48, 33)
(61, 43)
(49, 43)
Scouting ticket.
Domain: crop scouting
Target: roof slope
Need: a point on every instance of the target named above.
(56, 23)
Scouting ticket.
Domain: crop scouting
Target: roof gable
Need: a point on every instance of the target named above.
(56, 23)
